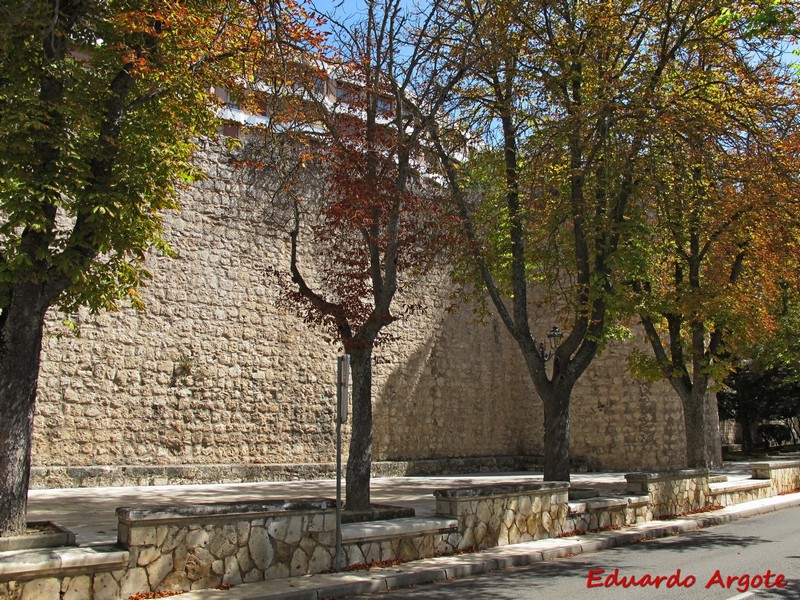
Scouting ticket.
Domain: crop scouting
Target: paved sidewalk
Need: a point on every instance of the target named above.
(340, 585)
(90, 512)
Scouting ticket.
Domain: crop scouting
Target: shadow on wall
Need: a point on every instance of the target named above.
(465, 392)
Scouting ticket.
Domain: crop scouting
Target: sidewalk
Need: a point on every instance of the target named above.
(340, 585)
(90, 512)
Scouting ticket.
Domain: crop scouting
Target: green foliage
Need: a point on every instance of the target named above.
(102, 103)
(644, 366)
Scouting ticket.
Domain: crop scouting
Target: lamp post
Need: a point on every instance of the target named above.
(342, 402)
(554, 338)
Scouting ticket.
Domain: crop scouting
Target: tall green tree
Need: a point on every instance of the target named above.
(101, 103)
(721, 233)
(563, 102)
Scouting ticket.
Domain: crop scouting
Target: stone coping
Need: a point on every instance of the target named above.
(738, 486)
(638, 500)
(375, 530)
(593, 504)
(505, 489)
(775, 464)
(30, 564)
(251, 509)
(30, 541)
(667, 475)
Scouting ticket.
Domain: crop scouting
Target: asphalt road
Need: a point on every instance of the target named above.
(697, 564)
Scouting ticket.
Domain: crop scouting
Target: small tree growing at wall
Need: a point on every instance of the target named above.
(100, 104)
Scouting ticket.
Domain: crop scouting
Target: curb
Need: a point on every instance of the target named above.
(429, 570)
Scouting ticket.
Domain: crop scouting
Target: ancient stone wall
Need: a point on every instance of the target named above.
(216, 372)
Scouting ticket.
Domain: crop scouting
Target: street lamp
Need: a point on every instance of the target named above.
(554, 337)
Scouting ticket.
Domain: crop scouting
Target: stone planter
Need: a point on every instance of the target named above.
(497, 515)
(52, 535)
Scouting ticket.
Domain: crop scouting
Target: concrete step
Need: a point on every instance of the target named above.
(392, 528)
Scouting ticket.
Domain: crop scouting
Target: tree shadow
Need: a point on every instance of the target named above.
(686, 542)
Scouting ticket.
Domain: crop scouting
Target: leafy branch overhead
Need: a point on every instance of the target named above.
(102, 106)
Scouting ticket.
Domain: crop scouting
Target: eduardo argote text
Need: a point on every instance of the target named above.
(742, 583)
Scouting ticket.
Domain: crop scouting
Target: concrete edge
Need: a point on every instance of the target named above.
(32, 564)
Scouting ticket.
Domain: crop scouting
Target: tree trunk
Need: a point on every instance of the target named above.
(359, 460)
(713, 440)
(21, 327)
(701, 422)
(556, 435)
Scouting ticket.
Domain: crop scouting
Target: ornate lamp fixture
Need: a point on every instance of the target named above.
(554, 337)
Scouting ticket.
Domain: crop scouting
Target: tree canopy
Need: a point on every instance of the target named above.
(102, 104)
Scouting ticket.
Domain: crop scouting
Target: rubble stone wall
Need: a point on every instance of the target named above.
(672, 492)
(217, 372)
(784, 475)
(497, 515)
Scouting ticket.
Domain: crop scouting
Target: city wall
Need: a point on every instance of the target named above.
(217, 381)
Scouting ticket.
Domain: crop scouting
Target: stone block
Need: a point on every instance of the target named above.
(197, 538)
(41, 589)
(158, 570)
(174, 582)
(105, 587)
(299, 563)
(260, 548)
(133, 581)
(232, 574)
(142, 536)
(76, 588)
(148, 555)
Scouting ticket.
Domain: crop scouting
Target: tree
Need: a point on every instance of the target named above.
(362, 206)
(563, 100)
(100, 105)
(720, 241)
(764, 384)
(755, 394)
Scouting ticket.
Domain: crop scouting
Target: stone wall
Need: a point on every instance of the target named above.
(497, 515)
(672, 492)
(603, 513)
(201, 546)
(216, 373)
(784, 475)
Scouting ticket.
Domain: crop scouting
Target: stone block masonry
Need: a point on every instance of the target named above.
(218, 375)
(672, 492)
(497, 515)
(201, 546)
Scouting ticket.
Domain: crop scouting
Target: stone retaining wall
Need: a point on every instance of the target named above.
(404, 539)
(96, 573)
(496, 515)
(601, 513)
(728, 494)
(200, 546)
(784, 475)
(672, 492)
(217, 372)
